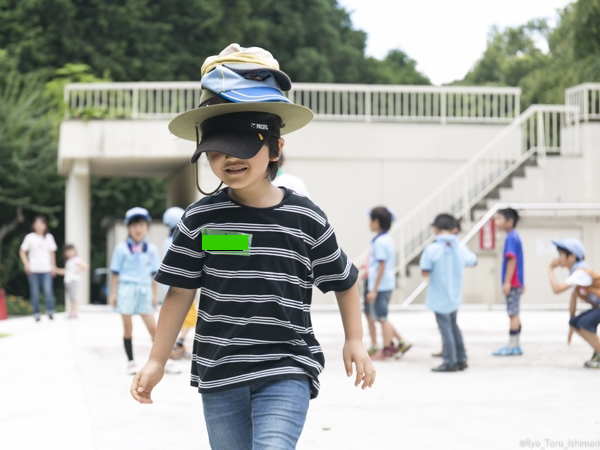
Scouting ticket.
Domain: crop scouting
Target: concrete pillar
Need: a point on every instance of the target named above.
(77, 220)
(181, 190)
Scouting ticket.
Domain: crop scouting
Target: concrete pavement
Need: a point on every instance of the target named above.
(63, 384)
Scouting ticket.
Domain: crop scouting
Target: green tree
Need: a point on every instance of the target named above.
(28, 174)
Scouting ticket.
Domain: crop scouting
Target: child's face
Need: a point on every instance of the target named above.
(69, 253)
(564, 260)
(240, 173)
(138, 230)
(374, 225)
(502, 224)
(39, 226)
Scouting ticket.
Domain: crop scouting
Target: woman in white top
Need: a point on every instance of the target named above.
(38, 254)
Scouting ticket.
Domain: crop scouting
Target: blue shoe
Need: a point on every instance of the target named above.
(516, 351)
(504, 351)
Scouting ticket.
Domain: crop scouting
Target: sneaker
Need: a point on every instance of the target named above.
(50, 316)
(132, 368)
(445, 368)
(461, 365)
(508, 351)
(390, 351)
(516, 351)
(171, 367)
(404, 346)
(437, 354)
(37, 318)
(379, 356)
(372, 350)
(593, 363)
(181, 351)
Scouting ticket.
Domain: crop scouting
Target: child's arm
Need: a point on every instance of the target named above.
(60, 271)
(82, 265)
(112, 300)
(373, 292)
(557, 288)
(511, 266)
(53, 263)
(572, 310)
(25, 261)
(354, 351)
(155, 288)
(175, 307)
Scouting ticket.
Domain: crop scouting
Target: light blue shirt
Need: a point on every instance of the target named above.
(382, 249)
(445, 260)
(135, 267)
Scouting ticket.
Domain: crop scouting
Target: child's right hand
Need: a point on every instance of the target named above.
(112, 300)
(145, 380)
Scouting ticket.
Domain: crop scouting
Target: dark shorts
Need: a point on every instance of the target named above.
(513, 301)
(378, 310)
(587, 320)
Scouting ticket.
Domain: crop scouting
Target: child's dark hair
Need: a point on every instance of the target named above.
(273, 144)
(445, 222)
(43, 219)
(567, 253)
(68, 247)
(510, 214)
(383, 216)
(137, 219)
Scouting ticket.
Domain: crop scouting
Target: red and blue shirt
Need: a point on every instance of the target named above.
(513, 249)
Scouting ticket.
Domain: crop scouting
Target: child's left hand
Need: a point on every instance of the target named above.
(371, 296)
(354, 352)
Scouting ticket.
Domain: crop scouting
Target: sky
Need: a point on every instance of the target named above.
(445, 37)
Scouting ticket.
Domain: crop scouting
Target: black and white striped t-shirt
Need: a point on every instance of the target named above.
(254, 320)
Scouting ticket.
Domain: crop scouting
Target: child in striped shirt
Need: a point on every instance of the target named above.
(255, 360)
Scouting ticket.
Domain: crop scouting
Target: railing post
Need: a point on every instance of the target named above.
(402, 255)
(466, 206)
(368, 99)
(586, 107)
(66, 100)
(134, 103)
(541, 144)
(443, 107)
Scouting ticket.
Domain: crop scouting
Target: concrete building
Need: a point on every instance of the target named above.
(418, 149)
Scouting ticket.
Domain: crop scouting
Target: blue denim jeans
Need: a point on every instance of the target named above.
(453, 349)
(268, 415)
(43, 281)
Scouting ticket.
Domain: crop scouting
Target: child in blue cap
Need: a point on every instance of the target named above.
(133, 265)
(585, 284)
(256, 360)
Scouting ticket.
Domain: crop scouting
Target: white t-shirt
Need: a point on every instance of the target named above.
(292, 182)
(72, 269)
(580, 278)
(38, 250)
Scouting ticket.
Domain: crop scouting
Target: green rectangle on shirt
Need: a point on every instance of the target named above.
(232, 243)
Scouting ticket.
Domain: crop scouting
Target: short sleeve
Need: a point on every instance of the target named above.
(51, 242)
(379, 252)
(182, 264)
(26, 245)
(332, 269)
(469, 257)
(116, 260)
(511, 249)
(426, 262)
(579, 278)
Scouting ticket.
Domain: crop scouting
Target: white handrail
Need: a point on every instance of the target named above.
(492, 212)
(438, 104)
(586, 97)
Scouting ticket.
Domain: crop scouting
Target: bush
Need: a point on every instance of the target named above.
(19, 306)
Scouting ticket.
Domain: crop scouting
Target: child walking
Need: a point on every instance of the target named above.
(381, 281)
(585, 284)
(171, 218)
(134, 263)
(255, 360)
(443, 263)
(512, 278)
(38, 255)
(74, 265)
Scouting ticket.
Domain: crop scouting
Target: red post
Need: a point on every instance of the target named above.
(3, 312)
